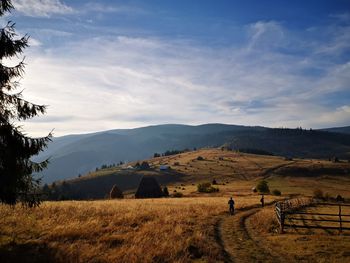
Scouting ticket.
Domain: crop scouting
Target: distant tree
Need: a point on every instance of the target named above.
(276, 192)
(17, 182)
(263, 187)
(214, 182)
(144, 165)
(165, 191)
(339, 198)
(178, 194)
(46, 188)
(155, 155)
(206, 188)
(318, 194)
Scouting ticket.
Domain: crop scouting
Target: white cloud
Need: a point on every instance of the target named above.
(42, 8)
(103, 8)
(121, 82)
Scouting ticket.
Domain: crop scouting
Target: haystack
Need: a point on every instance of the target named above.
(149, 188)
(115, 193)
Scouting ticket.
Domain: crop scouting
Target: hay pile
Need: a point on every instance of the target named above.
(149, 188)
(115, 193)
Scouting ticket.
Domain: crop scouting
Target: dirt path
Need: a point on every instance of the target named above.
(268, 172)
(236, 241)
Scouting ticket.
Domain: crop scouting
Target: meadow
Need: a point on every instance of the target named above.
(130, 230)
(194, 228)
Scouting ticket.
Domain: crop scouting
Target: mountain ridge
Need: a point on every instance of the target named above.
(72, 155)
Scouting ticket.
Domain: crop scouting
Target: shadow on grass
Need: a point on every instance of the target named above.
(31, 252)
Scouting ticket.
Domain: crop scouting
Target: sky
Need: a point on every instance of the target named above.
(102, 65)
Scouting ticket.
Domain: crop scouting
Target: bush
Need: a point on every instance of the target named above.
(178, 194)
(263, 187)
(200, 158)
(339, 198)
(276, 192)
(165, 191)
(206, 188)
(214, 182)
(318, 194)
(144, 166)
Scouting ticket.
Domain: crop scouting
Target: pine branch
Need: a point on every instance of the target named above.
(8, 46)
(5, 6)
(7, 73)
(18, 108)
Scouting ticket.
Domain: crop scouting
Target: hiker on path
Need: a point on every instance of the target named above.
(231, 203)
(262, 201)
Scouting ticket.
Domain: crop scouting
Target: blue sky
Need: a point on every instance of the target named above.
(120, 64)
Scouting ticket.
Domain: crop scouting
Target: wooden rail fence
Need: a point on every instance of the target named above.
(286, 211)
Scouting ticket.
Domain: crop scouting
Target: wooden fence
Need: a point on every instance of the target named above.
(287, 212)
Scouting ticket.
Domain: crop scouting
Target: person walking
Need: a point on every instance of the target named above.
(262, 201)
(231, 204)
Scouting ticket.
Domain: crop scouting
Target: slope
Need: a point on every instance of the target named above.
(74, 155)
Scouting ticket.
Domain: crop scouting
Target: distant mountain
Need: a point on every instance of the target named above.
(78, 154)
(339, 129)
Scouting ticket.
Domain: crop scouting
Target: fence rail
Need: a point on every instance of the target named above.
(286, 211)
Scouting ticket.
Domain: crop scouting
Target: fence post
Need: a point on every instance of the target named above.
(282, 222)
(340, 222)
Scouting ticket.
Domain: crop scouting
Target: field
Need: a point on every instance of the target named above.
(301, 245)
(194, 228)
(236, 173)
(152, 230)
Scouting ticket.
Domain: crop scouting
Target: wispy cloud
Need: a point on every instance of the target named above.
(42, 8)
(103, 8)
(114, 82)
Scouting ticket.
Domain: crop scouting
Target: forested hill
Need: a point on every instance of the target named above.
(77, 154)
(339, 129)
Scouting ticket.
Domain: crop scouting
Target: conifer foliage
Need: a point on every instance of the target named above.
(16, 149)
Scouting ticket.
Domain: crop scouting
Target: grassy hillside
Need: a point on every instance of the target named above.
(233, 171)
(163, 230)
(339, 129)
(79, 154)
(194, 228)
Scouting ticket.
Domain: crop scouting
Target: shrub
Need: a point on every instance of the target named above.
(206, 188)
(327, 196)
(144, 166)
(200, 158)
(178, 194)
(339, 198)
(263, 187)
(318, 194)
(214, 182)
(276, 192)
(165, 191)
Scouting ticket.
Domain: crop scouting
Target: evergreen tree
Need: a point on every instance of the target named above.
(263, 187)
(165, 191)
(16, 168)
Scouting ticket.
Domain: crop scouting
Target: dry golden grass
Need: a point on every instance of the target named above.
(237, 173)
(300, 245)
(151, 230)
(219, 164)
